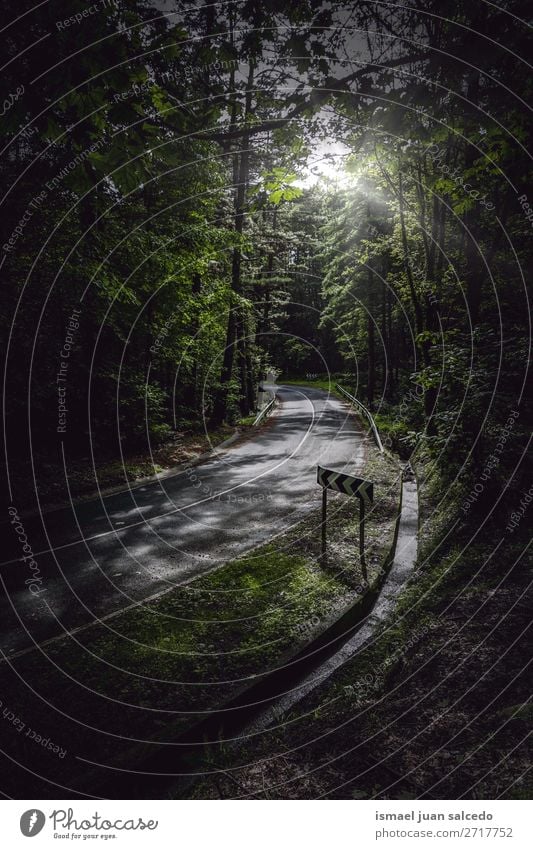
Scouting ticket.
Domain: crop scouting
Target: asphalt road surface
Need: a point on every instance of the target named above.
(104, 555)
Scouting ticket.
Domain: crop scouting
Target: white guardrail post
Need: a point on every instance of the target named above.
(368, 415)
(262, 413)
(270, 377)
(266, 409)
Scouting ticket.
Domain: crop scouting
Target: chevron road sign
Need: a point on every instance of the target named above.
(348, 485)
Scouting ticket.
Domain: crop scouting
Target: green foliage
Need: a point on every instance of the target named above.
(396, 276)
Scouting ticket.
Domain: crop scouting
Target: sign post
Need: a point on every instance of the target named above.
(348, 485)
(362, 536)
(324, 512)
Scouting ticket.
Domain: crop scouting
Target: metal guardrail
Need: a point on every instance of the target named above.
(368, 415)
(264, 411)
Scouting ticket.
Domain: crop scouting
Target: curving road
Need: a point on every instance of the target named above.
(109, 553)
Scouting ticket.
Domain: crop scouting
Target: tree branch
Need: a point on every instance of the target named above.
(316, 99)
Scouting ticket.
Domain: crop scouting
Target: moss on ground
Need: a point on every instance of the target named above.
(436, 705)
(155, 670)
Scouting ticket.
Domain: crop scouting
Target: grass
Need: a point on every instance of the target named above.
(437, 702)
(84, 481)
(153, 671)
(324, 384)
(247, 421)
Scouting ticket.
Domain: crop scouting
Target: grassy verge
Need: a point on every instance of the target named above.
(84, 481)
(153, 671)
(324, 384)
(436, 706)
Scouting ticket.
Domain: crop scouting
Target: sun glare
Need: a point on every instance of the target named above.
(326, 165)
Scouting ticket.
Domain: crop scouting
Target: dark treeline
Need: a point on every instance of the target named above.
(163, 244)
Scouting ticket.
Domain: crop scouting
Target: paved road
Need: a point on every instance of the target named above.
(107, 554)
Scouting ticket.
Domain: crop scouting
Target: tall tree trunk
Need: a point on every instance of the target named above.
(236, 327)
(192, 392)
(475, 270)
(417, 308)
(420, 319)
(371, 380)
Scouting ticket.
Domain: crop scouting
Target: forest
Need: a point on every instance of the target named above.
(168, 191)
(195, 195)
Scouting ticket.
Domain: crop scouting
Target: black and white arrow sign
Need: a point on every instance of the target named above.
(346, 484)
